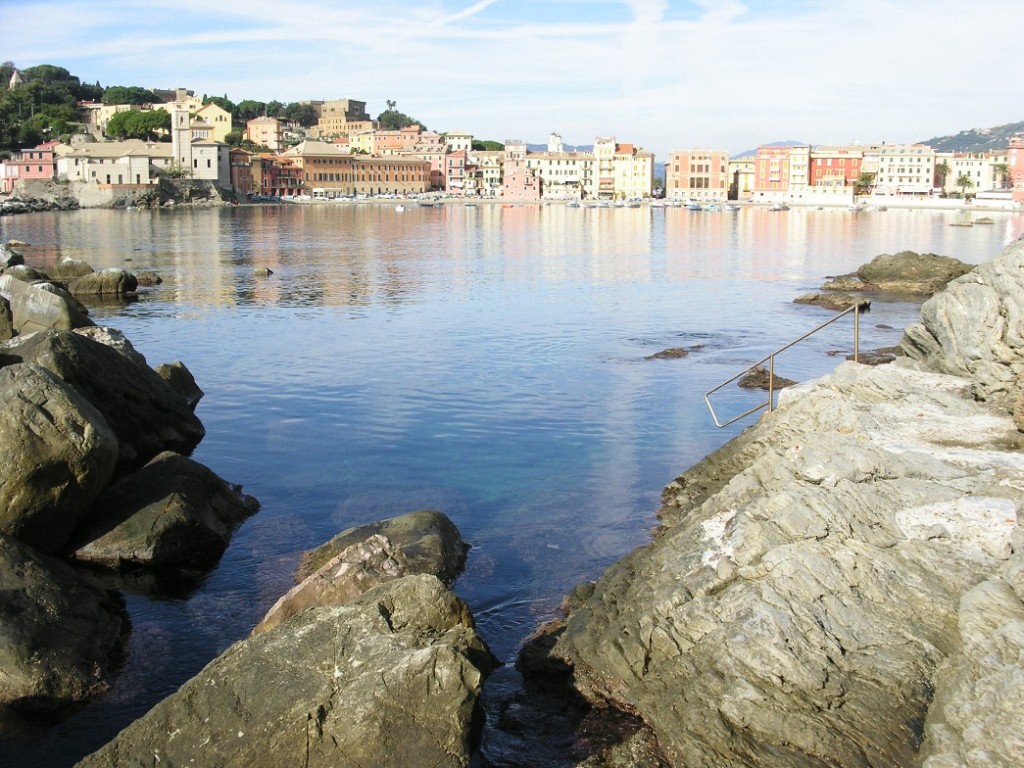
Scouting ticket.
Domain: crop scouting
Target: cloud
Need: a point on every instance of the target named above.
(660, 73)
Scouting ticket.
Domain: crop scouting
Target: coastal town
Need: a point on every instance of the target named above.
(345, 154)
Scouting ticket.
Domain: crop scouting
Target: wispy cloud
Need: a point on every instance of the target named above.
(661, 73)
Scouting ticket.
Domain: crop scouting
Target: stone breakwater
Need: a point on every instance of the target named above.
(843, 583)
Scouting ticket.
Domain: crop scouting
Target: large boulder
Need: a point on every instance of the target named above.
(361, 558)
(391, 679)
(56, 453)
(907, 272)
(975, 329)
(172, 513)
(67, 269)
(59, 635)
(181, 381)
(806, 587)
(41, 306)
(105, 282)
(147, 414)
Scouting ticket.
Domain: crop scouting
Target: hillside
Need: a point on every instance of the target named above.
(977, 139)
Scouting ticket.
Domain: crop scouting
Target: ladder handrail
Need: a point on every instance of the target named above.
(770, 359)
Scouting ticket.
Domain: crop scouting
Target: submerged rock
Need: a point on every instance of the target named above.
(836, 301)
(391, 679)
(905, 272)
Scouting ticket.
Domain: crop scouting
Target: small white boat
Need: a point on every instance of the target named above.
(400, 208)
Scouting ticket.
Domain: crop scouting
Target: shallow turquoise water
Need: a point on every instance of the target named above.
(485, 361)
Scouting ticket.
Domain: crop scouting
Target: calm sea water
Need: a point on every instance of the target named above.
(487, 361)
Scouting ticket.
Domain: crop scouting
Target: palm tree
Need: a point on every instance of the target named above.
(942, 170)
(1002, 170)
(965, 182)
(865, 183)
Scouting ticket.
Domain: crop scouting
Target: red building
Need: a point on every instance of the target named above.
(835, 166)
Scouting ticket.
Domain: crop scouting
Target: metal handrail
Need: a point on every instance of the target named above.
(770, 359)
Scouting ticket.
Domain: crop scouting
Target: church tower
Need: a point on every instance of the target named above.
(181, 139)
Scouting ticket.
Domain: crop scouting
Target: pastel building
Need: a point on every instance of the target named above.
(564, 175)
(905, 169)
(697, 174)
(266, 132)
(1015, 161)
(771, 173)
(519, 182)
(38, 163)
(327, 171)
(342, 117)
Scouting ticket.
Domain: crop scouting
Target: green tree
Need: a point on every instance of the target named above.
(392, 120)
(942, 171)
(275, 109)
(303, 114)
(129, 94)
(965, 182)
(149, 125)
(488, 146)
(864, 184)
(1002, 170)
(248, 109)
(221, 101)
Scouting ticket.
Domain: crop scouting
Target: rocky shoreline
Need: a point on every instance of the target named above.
(841, 584)
(37, 196)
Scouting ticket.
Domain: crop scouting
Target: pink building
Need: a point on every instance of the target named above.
(455, 171)
(1016, 163)
(697, 174)
(520, 183)
(38, 163)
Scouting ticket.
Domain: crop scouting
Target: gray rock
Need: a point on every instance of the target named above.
(40, 307)
(910, 272)
(172, 513)
(66, 269)
(839, 609)
(759, 377)
(979, 691)
(835, 301)
(114, 339)
(420, 542)
(429, 541)
(59, 635)
(148, 278)
(181, 381)
(56, 452)
(7, 330)
(105, 282)
(672, 353)
(26, 274)
(145, 413)
(975, 329)
(8, 257)
(391, 679)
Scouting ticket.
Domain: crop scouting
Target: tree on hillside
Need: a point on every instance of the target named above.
(488, 146)
(129, 94)
(965, 182)
(303, 114)
(221, 101)
(149, 125)
(247, 109)
(392, 120)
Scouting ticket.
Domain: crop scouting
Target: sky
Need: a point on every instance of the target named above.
(659, 74)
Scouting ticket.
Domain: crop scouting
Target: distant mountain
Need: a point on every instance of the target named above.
(977, 139)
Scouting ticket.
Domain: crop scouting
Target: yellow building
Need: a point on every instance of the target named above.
(211, 122)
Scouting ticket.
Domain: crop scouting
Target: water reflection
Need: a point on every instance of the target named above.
(483, 360)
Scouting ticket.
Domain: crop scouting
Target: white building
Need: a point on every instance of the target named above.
(905, 169)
